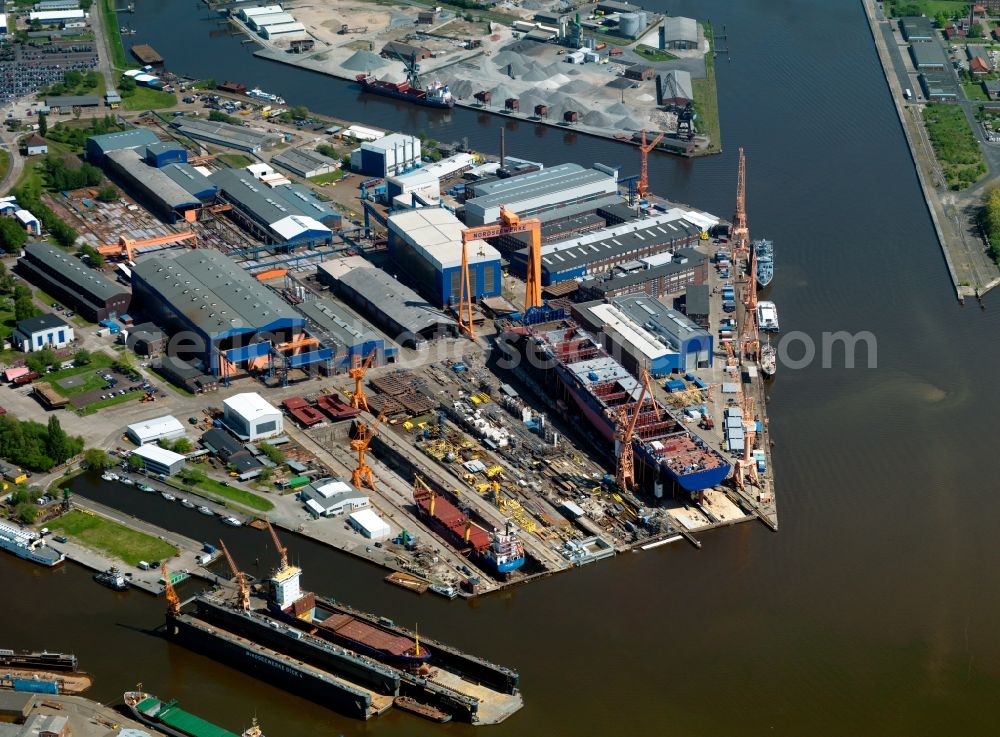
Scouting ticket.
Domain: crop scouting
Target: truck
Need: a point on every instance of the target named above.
(26, 378)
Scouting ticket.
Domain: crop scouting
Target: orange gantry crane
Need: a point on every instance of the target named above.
(741, 233)
(642, 187)
(173, 601)
(625, 429)
(125, 247)
(243, 600)
(357, 372)
(363, 474)
(510, 224)
(282, 550)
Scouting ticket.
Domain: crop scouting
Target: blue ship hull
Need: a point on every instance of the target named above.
(509, 567)
(594, 412)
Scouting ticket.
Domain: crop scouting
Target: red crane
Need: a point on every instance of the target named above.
(642, 187)
(173, 601)
(282, 550)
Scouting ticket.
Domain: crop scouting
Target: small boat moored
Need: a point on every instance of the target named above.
(168, 496)
(113, 578)
(147, 488)
(231, 521)
(206, 510)
(126, 480)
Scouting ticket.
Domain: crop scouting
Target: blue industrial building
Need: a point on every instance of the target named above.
(426, 245)
(229, 317)
(162, 153)
(347, 333)
(98, 146)
(192, 181)
(645, 333)
(599, 251)
(286, 215)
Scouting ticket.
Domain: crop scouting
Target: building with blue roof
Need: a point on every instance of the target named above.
(98, 146)
(165, 152)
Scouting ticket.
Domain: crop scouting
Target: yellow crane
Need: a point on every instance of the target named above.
(625, 429)
(510, 224)
(363, 474)
(243, 602)
(357, 372)
(173, 601)
(282, 550)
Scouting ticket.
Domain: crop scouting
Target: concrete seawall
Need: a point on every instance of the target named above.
(930, 197)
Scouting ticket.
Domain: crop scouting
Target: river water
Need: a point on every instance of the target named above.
(874, 608)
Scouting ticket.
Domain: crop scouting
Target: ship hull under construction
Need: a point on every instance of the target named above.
(588, 384)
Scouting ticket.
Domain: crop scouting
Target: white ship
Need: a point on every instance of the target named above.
(28, 545)
(767, 317)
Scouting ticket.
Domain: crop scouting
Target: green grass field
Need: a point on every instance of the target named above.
(109, 18)
(91, 382)
(103, 403)
(146, 98)
(240, 496)
(237, 161)
(974, 91)
(333, 176)
(107, 536)
(954, 145)
(706, 100)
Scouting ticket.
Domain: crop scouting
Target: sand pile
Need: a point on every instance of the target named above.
(597, 119)
(629, 124)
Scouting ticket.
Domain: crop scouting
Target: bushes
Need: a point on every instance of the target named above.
(77, 136)
(954, 145)
(990, 220)
(35, 446)
(61, 177)
(29, 199)
(12, 235)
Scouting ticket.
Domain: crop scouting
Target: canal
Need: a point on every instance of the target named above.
(871, 612)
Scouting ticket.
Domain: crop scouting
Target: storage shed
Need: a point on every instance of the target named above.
(167, 427)
(251, 417)
(369, 524)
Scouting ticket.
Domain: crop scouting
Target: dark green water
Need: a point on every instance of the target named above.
(873, 611)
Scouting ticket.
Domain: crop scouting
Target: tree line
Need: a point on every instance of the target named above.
(35, 446)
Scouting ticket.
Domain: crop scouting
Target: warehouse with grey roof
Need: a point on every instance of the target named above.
(305, 162)
(540, 191)
(66, 278)
(286, 214)
(154, 187)
(222, 307)
(347, 333)
(225, 134)
(402, 313)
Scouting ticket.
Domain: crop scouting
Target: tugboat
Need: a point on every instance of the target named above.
(113, 579)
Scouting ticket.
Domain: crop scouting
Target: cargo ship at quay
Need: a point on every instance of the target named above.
(587, 382)
(351, 661)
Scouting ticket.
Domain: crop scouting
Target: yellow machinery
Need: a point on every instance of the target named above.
(357, 372)
(510, 224)
(243, 602)
(363, 474)
(173, 601)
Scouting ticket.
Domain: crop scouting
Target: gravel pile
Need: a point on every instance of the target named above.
(363, 61)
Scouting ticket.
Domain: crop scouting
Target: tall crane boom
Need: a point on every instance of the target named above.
(243, 602)
(282, 550)
(510, 224)
(357, 372)
(173, 601)
(644, 148)
(625, 429)
(741, 233)
(363, 475)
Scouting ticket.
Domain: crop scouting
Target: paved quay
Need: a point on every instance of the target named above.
(970, 267)
(86, 718)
